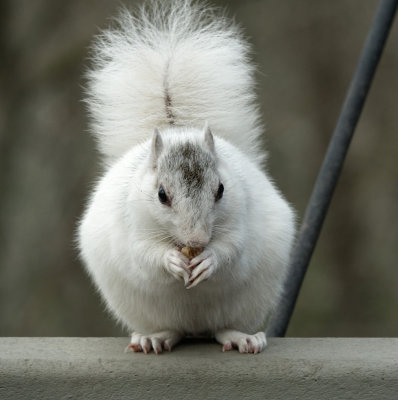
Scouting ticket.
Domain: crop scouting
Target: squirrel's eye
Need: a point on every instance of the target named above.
(163, 196)
(220, 191)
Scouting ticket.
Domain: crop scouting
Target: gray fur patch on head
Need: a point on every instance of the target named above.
(190, 162)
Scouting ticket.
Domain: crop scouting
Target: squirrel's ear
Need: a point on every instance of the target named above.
(209, 140)
(157, 146)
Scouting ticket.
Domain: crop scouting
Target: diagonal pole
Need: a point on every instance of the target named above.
(332, 164)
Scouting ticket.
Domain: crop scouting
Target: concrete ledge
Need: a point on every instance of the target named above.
(98, 368)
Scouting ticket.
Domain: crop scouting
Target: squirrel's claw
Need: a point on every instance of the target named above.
(202, 267)
(157, 342)
(199, 277)
(176, 264)
(243, 342)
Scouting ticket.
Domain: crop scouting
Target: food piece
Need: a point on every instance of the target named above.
(191, 252)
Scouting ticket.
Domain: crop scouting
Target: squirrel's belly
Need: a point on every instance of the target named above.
(193, 311)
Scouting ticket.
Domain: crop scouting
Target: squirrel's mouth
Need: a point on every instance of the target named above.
(195, 244)
(191, 244)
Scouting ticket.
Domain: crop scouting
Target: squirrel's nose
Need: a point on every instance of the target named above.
(198, 240)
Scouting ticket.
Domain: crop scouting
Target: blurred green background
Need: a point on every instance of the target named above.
(306, 52)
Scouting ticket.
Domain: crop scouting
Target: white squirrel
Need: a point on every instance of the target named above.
(158, 78)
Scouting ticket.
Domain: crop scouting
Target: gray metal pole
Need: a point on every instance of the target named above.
(332, 164)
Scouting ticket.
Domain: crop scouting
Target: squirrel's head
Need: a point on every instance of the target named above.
(187, 188)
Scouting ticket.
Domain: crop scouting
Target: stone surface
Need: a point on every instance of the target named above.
(289, 368)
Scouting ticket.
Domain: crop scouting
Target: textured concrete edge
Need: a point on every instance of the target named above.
(98, 368)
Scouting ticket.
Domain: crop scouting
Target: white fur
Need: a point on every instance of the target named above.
(183, 49)
(128, 239)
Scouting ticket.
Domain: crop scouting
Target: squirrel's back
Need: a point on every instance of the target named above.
(175, 63)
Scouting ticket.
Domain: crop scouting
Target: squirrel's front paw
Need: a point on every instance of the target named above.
(176, 264)
(201, 267)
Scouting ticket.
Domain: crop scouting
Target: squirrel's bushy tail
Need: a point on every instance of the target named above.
(173, 63)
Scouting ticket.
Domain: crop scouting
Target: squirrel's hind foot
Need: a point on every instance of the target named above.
(157, 342)
(243, 342)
